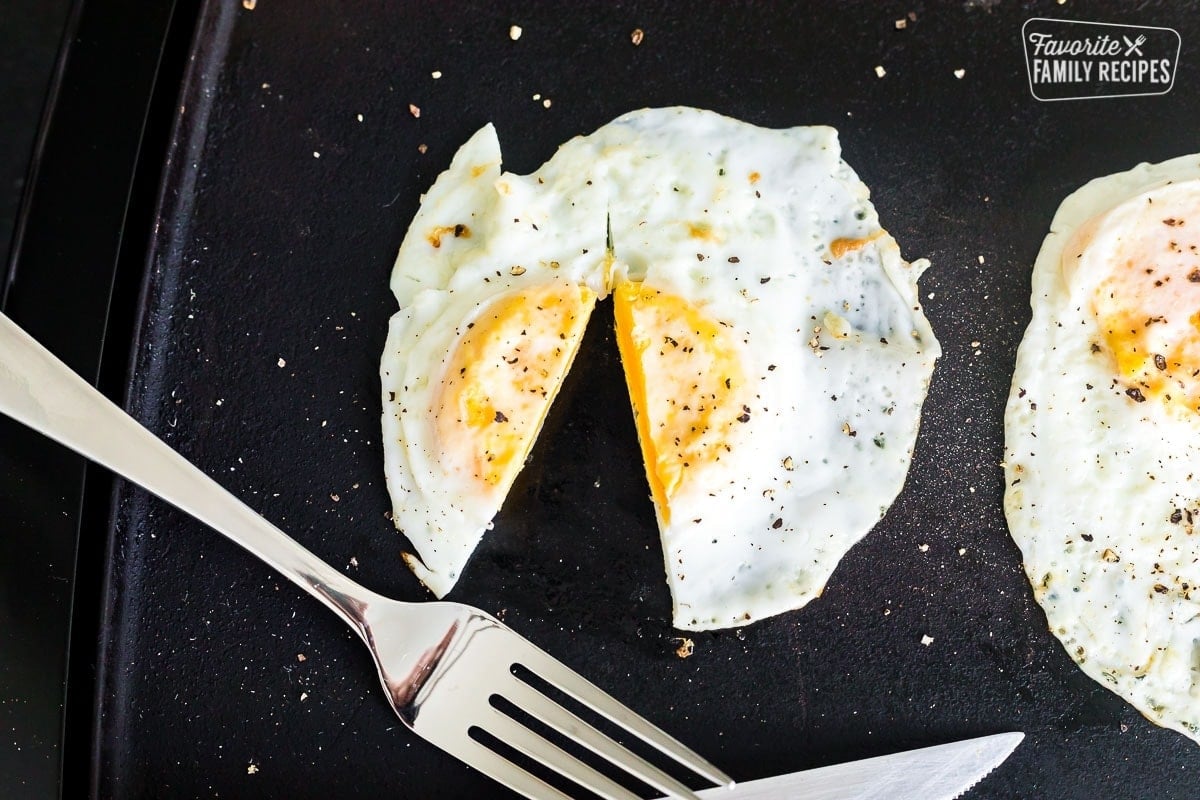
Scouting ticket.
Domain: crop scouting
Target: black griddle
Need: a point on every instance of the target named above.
(294, 167)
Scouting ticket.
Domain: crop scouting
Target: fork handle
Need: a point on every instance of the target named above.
(43, 393)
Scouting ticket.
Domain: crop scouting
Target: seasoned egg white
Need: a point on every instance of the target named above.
(773, 344)
(785, 355)
(1103, 436)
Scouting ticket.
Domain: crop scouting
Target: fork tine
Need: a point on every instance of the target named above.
(533, 702)
(579, 688)
(500, 769)
(516, 735)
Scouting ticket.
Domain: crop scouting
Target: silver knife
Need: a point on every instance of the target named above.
(943, 772)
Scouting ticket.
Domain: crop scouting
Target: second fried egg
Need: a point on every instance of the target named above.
(1102, 436)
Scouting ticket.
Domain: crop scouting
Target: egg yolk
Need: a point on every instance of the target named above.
(685, 383)
(502, 378)
(1148, 304)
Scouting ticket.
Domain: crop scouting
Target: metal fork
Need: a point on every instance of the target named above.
(442, 664)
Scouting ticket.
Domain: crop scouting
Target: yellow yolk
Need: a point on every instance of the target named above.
(1148, 305)
(504, 375)
(685, 382)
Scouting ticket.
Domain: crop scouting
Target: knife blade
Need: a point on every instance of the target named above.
(942, 772)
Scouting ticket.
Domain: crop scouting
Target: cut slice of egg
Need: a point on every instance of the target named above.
(774, 349)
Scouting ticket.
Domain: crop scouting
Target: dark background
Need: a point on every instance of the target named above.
(29, 42)
(256, 250)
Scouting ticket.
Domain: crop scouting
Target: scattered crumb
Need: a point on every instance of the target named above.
(962, 551)
(959, 73)
(887, 612)
(220, 402)
(880, 71)
(981, 259)
(354, 562)
(686, 647)
(927, 640)
(537, 96)
(301, 657)
(303, 696)
(414, 110)
(253, 768)
(596, 484)
(514, 32)
(249, 6)
(976, 344)
(335, 498)
(546, 103)
(901, 24)
(359, 117)
(637, 36)
(282, 363)
(266, 86)
(316, 154)
(437, 73)
(421, 148)
(924, 548)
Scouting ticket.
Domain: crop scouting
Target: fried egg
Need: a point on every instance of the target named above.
(774, 348)
(1102, 436)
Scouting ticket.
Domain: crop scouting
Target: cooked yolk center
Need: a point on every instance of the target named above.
(1148, 305)
(685, 383)
(503, 376)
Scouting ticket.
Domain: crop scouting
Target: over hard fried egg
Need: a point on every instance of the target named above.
(774, 349)
(1103, 436)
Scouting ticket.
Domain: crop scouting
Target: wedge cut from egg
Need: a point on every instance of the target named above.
(774, 349)
(496, 280)
(1102, 436)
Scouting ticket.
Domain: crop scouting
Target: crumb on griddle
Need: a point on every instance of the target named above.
(686, 647)
(637, 36)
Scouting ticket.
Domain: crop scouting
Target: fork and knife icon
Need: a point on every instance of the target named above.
(1132, 47)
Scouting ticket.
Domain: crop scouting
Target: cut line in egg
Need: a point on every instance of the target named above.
(759, 309)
